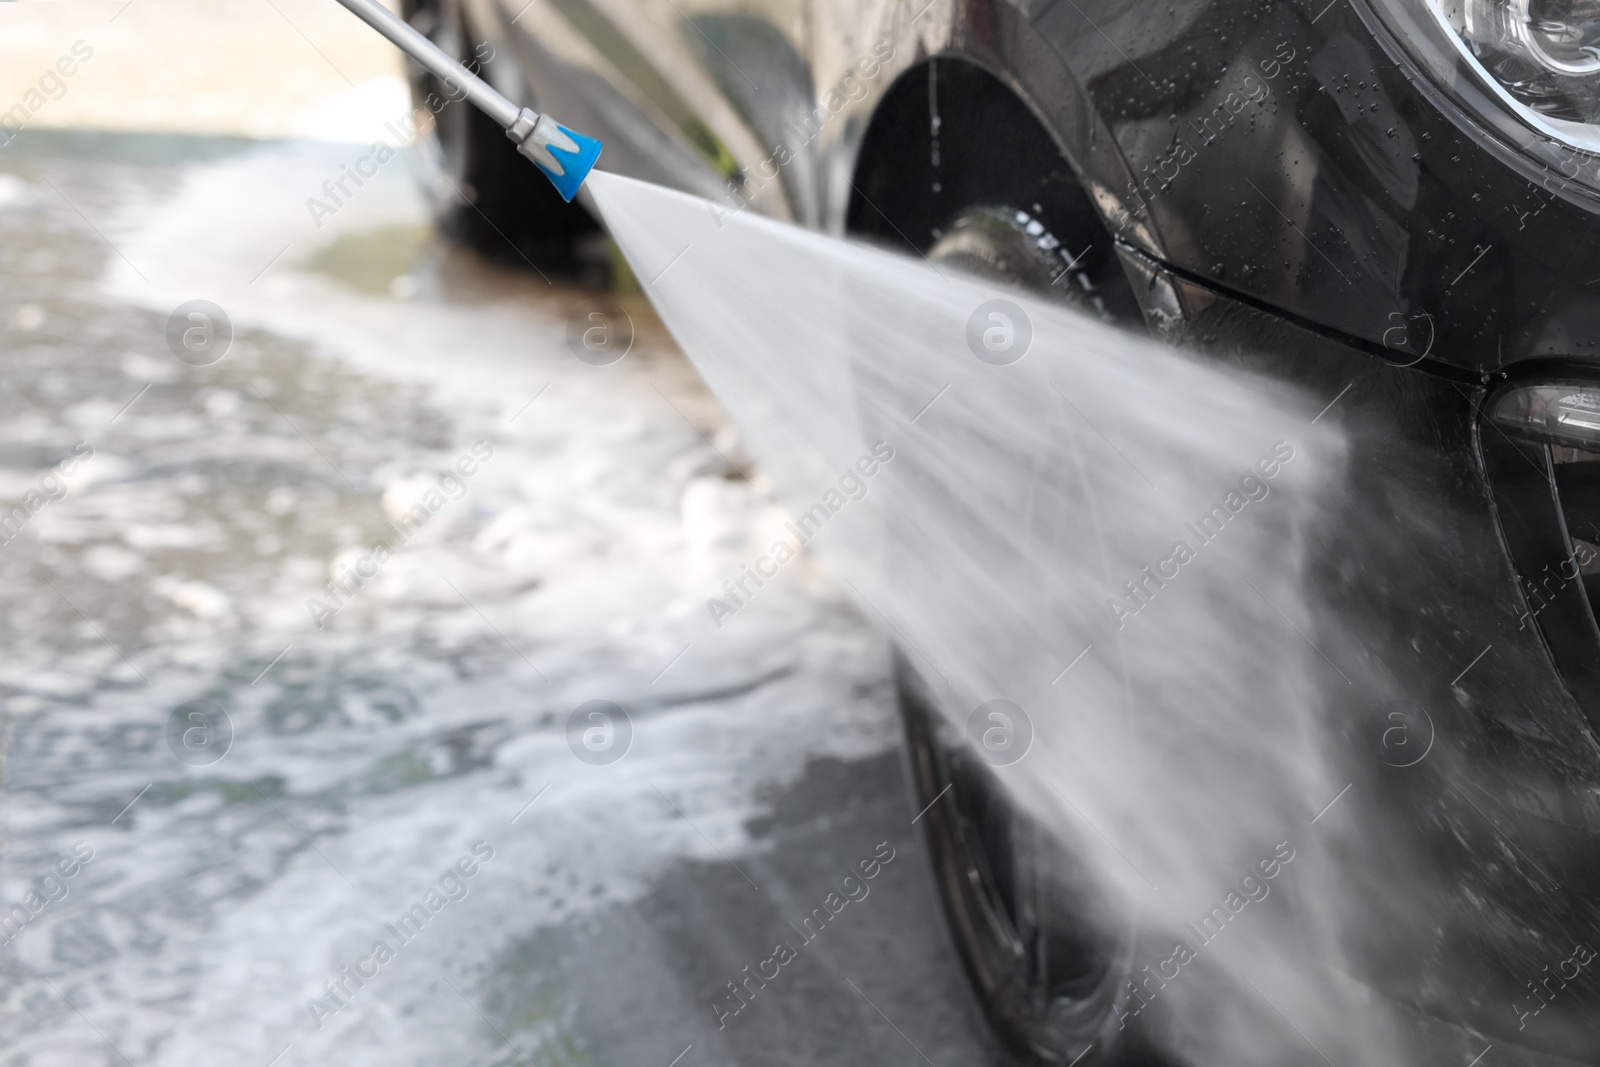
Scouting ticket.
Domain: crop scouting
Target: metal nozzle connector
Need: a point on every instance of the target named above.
(565, 156)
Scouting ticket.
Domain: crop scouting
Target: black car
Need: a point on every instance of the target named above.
(1399, 200)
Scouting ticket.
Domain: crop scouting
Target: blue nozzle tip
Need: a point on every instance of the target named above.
(576, 165)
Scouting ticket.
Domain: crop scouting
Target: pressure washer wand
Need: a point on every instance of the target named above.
(566, 157)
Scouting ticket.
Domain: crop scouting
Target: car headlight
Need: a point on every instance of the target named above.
(1527, 70)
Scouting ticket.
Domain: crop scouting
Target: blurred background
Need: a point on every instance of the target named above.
(259, 718)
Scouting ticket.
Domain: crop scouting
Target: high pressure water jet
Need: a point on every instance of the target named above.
(565, 156)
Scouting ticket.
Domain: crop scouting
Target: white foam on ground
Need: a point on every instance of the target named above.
(576, 567)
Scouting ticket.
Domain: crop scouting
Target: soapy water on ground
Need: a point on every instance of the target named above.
(432, 713)
(1024, 465)
(985, 513)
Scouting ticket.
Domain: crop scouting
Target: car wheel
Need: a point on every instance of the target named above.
(483, 192)
(1026, 918)
(1006, 244)
(1045, 954)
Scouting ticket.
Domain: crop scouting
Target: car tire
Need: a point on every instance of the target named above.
(1040, 948)
(483, 192)
(1046, 956)
(1007, 244)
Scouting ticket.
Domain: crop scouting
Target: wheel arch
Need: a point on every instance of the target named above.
(951, 133)
(1038, 104)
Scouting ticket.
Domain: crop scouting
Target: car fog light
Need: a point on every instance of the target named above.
(1557, 413)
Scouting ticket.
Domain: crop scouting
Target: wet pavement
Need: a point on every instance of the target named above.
(264, 801)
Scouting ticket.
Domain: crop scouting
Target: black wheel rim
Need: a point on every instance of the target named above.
(1026, 916)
